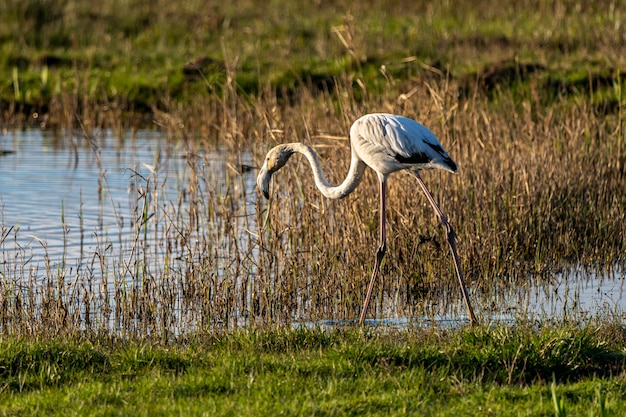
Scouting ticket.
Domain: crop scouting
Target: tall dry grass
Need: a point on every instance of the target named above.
(540, 189)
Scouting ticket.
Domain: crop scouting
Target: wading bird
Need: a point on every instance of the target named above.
(386, 143)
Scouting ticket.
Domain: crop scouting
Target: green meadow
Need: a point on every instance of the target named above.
(504, 371)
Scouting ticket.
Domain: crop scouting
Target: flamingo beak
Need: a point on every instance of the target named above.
(263, 181)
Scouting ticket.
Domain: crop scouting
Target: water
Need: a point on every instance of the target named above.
(60, 192)
(63, 193)
(109, 222)
(67, 203)
(575, 296)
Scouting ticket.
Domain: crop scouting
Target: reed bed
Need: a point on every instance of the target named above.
(541, 188)
(538, 191)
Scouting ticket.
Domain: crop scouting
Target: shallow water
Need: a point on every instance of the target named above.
(105, 226)
(62, 192)
(64, 199)
(575, 296)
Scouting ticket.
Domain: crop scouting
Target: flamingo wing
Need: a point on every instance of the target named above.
(389, 143)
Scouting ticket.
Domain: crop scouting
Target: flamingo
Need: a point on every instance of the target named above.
(386, 143)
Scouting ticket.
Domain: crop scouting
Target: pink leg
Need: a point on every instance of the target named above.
(452, 243)
(380, 253)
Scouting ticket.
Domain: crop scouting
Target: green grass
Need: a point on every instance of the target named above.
(132, 52)
(497, 371)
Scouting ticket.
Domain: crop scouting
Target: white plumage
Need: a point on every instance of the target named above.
(389, 143)
(386, 143)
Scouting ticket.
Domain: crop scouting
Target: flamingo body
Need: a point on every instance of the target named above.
(389, 143)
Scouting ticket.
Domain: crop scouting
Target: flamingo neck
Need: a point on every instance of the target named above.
(355, 173)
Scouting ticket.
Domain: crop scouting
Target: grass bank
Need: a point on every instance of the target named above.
(499, 371)
(65, 59)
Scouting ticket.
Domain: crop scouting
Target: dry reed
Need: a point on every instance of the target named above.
(540, 189)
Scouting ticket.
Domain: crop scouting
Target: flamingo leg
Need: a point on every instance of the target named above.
(380, 253)
(452, 243)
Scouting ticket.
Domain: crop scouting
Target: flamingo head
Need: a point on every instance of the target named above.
(276, 158)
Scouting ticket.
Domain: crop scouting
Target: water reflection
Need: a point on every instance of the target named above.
(577, 296)
(64, 192)
(120, 231)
